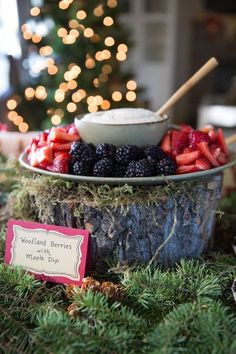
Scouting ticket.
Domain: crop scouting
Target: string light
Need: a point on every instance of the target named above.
(121, 56)
(90, 63)
(109, 41)
(41, 93)
(96, 83)
(27, 35)
(74, 32)
(11, 104)
(81, 15)
(131, 96)
(53, 70)
(72, 84)
(59, 95)
(99, 100)
(98, 11)
(106, 69)
(36, 38)
(122, 48)
(76, 70)
(56, 119)
(73, 23)
(112, 3)
(92, 108)
(63, 5)
(23, 127)
(91, 100)
(131, 85)
(35, 11)
(11, 115)
(59, 112)
(76, 97)
(108, 21)
(29, 93)
(105, 105)
(103, 78)
(88, 32)
(50, 62)
(18, 120)
(46, 50)
(71, 107)
(82, 93)
(106, 54)
(95, 38)
(117, 96)
(63, 86)
(62, 32)
(69, 39)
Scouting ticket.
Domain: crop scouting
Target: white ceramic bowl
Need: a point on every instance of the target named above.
(134, 133)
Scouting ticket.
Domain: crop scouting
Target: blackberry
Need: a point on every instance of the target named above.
(127, 153)
(106, 150)
(120, 170)
(166, 167)
(82, 168)
(153, 166)
(83, 152)
(103, 168)
(139, 168)
(154, 152)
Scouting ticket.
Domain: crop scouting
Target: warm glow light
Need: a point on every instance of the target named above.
(47, 50)
(35, 11)
(59, 95)
(40, 93)
(11, 104)
(23, 127)
(11, 115)
(68, 76)
(73, 23)
(121, 56)
(117, 96)
(96, 83)
(131, 85)
(122, 48)
(56, 119)
(98, 56)
(98, 11)
(63, 86)
(108, 21)
(131, 96)
(36, 38)
(75, 70)
(106, 69)
(24, 27)
(91, 100)
(71, 107)
(92, 108)
(62, 32)
(74, 32)
(69, 39)
(17, 120)
(105, 105)
(112, 3)
(59, 112)
(95, 38)
(106, 54)
(29, 93)
(63, 5)
(88, 32)
(50, 62)
(27, 35)
(98, 100)
(76, 97)
(90, 63)
(81, 15)
(103, 78)
(72, 84)
(52, 70)
(109, 41)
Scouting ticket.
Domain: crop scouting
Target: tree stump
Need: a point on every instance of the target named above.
(133, 225)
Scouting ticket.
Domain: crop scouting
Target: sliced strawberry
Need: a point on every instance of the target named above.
(212, 134)
(59, 165)
(186, 128)
(215, 150)
(44, 165)
(222, 158)
(44, 154)
(73, 130)
(65, 154)
(60, 147)
(207, 128)
(188, 149)
(34, 140)
(58, 134)
(166, 143)
(179, 141)
(202, 164)
(196, 137)
(203, 146)
(188, 158)
(186, 169)
(33, 156)
(221, 141)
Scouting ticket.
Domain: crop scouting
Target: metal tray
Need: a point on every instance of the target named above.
(130, 181)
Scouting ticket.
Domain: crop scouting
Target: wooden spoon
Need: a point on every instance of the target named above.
(231, 139)
(199, 75)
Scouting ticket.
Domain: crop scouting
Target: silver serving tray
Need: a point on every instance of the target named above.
(130, 181)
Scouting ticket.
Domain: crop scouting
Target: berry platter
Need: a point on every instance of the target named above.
(183, 154)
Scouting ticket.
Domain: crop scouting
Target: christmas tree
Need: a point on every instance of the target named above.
(76, 50)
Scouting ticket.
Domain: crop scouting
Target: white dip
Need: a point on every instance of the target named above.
(122, 116)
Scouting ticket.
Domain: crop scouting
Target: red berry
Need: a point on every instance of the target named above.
(61, 147)
(221, 141)
(186, 128)
(166, 143)
(196, 137)
(186, 169)
(44, 154)
(179, 141)
(59, 134)
(203, 146)
(188, 158)
(202, 164)
(59, 165)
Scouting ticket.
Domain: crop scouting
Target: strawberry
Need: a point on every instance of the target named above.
(59, 134)
(44, 165)
(203, 146)
(65, 154)
(33, 156)
(73, 130)
(221, 141)
(166, 143)
(186, 169)
(215, 150)
(196, 137)
(60, 164)
(187, 158)
(186, 128)
(188, 149)
(207, 128)
(212, 134)
(60, 147)
(202, 164)
(44, 154)
(222, 158)
(179, 141)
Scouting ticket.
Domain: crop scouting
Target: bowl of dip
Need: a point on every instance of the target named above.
(134, 126)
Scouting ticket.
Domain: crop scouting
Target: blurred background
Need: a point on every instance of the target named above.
(63, 58)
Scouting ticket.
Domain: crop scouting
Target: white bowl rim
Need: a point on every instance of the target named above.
(163, 119)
